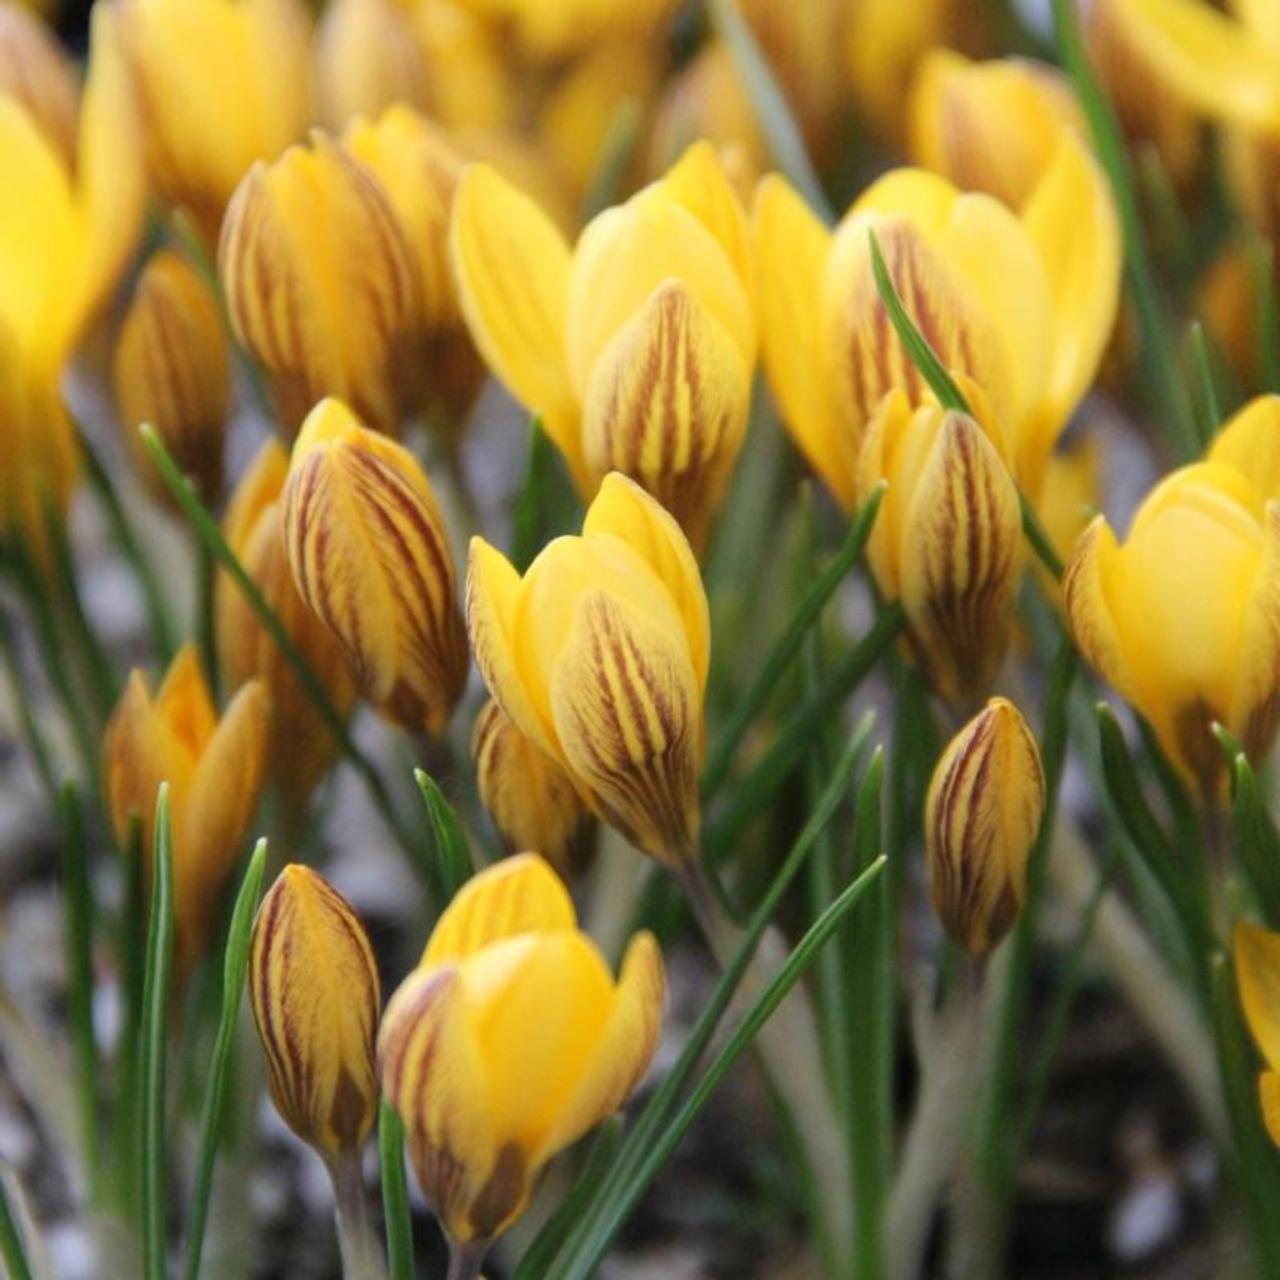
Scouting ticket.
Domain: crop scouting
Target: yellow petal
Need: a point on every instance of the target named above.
(370, 555)
(961, 559)
(511, 267)
(434, 1074)
(259, 487)
(1257, 958)
(628, 714)
(623, 1051)
(1210, 60)
(1261, 18)
(1072, 219)
(667, 405)
(185, 703)
(515, 896)
(1087, 601)
(314, 987)
(792, 247)
(493, 589)
(1255, 702)
(1250, 442)
(626, 511)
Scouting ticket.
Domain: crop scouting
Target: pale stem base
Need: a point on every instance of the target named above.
(362, 1256)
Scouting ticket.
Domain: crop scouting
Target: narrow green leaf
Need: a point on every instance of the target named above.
(395, 1193)
(1209, 400)
(1038, 538)
(78, 908)
(748, 706)
(210, 535)
(20, 691)
(581, 1266)
(155, 1005)
(530, 518)
(234, 964)
(11, 1249)
(452, 853)
(786, 142)
(1256, 837)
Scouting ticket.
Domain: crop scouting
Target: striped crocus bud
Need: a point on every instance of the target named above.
(530, 798)
(599, 655)
(320, 286)
(984, 807)
(173, 369)
(509, 1041)
(948, 539)
(315, 994)
(370, 556)
(35, 71)
(302, 746)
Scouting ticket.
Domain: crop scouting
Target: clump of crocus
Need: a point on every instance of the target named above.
(984, 807)
(508, 1042)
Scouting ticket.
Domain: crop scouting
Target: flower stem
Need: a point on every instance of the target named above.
(465, 1260)
(362, 1257)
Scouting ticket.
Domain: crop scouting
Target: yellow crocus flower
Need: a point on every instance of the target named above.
(1019, 306)
(982, 812)
(313, 986)
(214, 766)
(222, 83)
(370, 556)
(302, 747)
(1183, 617)
(947, 541)
(65, 236)
(367, 57)
(1250, 442)
(549, 31)
(599, 655)
(637, 347)
(1257, 963)
(509, 1041)
(35, 70)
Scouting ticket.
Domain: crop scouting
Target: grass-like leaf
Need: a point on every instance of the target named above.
(234, 964)
(1256, 837)
(452, 854)
(11, 1249)
(395, 1193)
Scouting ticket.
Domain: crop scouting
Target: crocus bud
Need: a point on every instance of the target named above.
(947, 541)
(599, 655)
(1029, 336)
(320, 286)
(315, 994)
(530, 798)
(1183, 617)
(173, 370)
(367, 56)
(224, 83)
(37, 73)
(509, 1041)
(370, 557)
(214, 767)
(1257, 962)
(302, 745)
(982, 813)
(637, 348)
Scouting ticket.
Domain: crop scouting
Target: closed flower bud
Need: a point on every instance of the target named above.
(530, 798)
(302, 746)
(1029, 334)
(173, 370)
(509, 1041)
(222, 83)
(1183, 617)
(990, 126)
(637, 348)
(35, 71)
(320, 286)
(947, 541)
(367, 56)
(314, 988)
(982, 813)
(370, 556)
(1257, 963)
(214, 767)
(599, 655)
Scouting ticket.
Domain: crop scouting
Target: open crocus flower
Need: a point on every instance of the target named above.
(66, 237)
(1183, 617)
(214, 767)
(599, 655)
(1018, 306)
(509, 1041)
(637, 347)
(1257, 957)
(222, 83)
